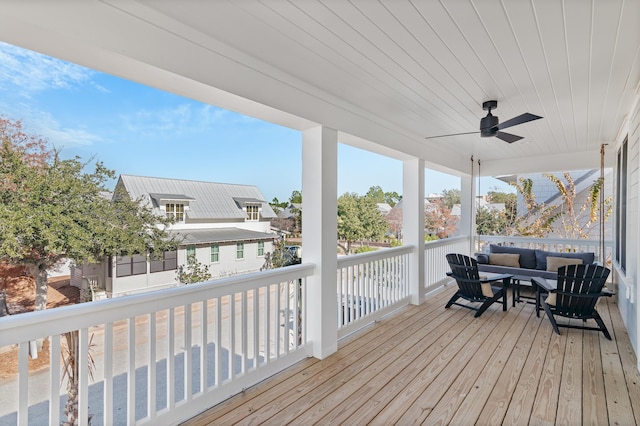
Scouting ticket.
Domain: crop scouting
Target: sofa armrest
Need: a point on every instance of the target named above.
(482, 258)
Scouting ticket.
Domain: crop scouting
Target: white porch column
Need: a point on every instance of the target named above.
(468, 210)
(319, 231)
(413, 223)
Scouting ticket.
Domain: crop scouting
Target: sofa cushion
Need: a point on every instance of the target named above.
(505, 259)
(553, 263)
(541, 257)
(527, 256)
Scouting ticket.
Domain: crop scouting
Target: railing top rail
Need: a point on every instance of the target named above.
(355, 259)
(29, 326)
(446, 241)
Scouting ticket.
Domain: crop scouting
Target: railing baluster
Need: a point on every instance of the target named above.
(188, 350)
(108, 374)
(204, 327)
(217, 340)
(256, 328)
(232, 336)
(267, 325)
(23, 383)
(83, 376)
(171, 361)
(54, 382)
(131, 372)
(151, 370)
(244, 321)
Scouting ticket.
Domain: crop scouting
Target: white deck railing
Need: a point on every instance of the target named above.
(159, 357)
(435, 262)
(370, 285)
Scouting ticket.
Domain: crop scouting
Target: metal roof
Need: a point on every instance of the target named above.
(220, 235)
(207, 200)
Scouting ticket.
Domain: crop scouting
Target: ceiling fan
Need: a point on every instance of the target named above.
(489, 125)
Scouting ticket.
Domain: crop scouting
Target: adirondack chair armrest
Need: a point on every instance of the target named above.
(542, 283)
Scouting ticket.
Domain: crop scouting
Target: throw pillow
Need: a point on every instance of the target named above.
(551, 299)
(527, 256)
(505, 259)
(553, 263)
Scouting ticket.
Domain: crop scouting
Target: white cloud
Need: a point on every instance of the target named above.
(180, 120)
(34, 72)
(42, 123)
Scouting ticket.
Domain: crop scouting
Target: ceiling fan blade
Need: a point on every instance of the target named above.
(452, 134)
(523, 118)
(508, 137)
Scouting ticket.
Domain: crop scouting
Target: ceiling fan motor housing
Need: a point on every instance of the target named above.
(488, 125)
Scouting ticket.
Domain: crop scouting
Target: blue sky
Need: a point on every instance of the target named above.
(135, 129)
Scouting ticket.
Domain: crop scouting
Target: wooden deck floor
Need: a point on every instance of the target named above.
(435, 366)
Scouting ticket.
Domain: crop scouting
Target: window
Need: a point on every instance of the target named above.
(175, 211)
(252, 213)
(191, 251)
(260, 248)
(169, 262)
(621, 207)
(240, 251)
(215, 253)
(131, 265)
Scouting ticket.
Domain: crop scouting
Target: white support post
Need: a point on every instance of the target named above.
(468, 211)
(319, 230)
(413, 224)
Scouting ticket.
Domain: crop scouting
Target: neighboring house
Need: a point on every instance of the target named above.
(384, 208)
(226, 227)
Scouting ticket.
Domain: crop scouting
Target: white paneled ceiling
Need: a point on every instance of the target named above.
(389, 72)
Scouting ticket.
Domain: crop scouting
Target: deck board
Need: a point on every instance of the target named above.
(426, 364)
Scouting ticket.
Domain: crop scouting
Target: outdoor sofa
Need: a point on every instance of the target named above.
(526, 263)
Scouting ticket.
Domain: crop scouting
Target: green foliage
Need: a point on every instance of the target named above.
(430, 237)
(538, 220)
(491, 221)
(451, 197)
(296, 197)
(364, 249)
(379, 196)
(277, 205)
(193, 272)
(359, 219)
(576, 221)
(52, 208)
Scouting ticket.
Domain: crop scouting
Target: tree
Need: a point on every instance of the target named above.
(538, 219)
(451, 197)
(277, 205)
(296, 197)
(394, 221)
(193, 272)
(439, 220)
(52, 209)
(379, 196)
(358, 219)
(576, 221)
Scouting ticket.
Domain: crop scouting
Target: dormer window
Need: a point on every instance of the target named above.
(252, 213)
(175, 211)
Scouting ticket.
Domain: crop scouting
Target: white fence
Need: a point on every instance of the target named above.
(159, 357)
(370, 285)
(435, 262)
